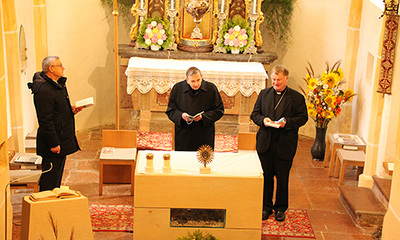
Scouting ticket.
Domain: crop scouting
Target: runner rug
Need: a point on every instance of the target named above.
(119, 218)
(296, 224)
(111, 218)
(163, 141)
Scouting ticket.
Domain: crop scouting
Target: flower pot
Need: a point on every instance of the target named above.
(155, 47)
(235, 51)
(318, 148)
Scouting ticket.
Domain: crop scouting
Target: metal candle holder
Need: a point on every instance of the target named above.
(142, 13)
(221, 19)
(252, 48)
(171, 16)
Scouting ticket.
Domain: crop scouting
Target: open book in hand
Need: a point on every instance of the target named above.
(87, 102)
(193, 117)
(56, 193)
(275, 124)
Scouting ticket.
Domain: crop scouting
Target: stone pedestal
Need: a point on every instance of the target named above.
(66, 218)
(239, 194)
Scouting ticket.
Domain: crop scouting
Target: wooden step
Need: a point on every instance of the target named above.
(30, 142)
(382, 188)
(30, 145)
(363, 205)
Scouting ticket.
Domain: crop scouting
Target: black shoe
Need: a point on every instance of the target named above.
(279, 216)
(266, 214)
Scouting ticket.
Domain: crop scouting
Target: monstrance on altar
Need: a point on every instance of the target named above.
(195, 25)
(205, 155)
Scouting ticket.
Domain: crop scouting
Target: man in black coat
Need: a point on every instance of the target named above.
(187, 99)
(56, 133)
(279, 111)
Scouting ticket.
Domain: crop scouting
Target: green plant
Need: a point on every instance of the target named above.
(278, 18)
(124, 8)
(197, 235)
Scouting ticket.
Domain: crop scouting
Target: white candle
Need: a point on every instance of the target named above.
(141, 4)
(172, 4)
(222, 5)
(167, 160)
(149, 162)
(254, 6)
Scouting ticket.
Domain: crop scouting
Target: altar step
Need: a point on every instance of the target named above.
(367, 206)
(382, 188)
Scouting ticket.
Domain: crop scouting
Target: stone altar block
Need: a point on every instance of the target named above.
(69, 217)
(235, 185)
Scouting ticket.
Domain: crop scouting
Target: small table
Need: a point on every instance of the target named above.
(26, 161)
(349, 158)
(341, 141)
(29, 179)
(117, 156)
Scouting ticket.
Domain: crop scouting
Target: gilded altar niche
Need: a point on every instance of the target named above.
(195, 24)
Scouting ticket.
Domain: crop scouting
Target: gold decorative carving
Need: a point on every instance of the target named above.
(182, 23)
(135, 25)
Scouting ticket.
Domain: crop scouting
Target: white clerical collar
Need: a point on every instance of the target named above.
(279, 93)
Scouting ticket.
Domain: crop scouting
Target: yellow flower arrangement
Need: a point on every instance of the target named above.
(324, 94)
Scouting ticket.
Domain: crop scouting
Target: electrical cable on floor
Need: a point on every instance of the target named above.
(6, 194)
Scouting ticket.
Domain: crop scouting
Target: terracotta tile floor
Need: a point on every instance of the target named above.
(310, 189)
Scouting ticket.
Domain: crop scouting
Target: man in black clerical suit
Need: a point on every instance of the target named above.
(194, 106)
(285, 109)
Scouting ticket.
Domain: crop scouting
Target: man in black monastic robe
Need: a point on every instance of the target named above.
(194, 106)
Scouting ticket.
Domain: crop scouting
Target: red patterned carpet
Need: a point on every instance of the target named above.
(111, 218)
(296, 224)
(163, 141)
(119, 218)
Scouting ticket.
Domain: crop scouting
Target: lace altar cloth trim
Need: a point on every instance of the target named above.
(161, 74)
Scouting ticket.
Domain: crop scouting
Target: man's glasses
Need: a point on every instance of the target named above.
(57, 65)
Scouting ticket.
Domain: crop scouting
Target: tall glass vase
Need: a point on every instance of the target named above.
(318, 148)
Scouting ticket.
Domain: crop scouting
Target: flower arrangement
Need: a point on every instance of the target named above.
(324, 94)
(237, 34)
(155, 32)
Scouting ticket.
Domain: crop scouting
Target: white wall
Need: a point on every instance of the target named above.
(81, 33)
(24, 14)
(319, 36)
(368, 57)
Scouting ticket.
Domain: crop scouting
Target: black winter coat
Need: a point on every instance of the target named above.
(182, 99)
(55, 116)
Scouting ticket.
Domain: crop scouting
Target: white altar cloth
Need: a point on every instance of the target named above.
(161, 74)
(244, 163)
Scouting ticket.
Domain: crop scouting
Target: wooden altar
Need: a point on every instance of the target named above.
(146, 111)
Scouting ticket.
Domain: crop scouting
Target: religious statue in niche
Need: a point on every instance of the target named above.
(195, 24)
